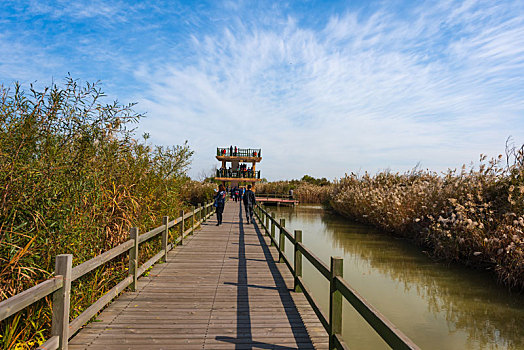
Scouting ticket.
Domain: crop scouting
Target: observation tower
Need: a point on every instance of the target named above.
(238, 166)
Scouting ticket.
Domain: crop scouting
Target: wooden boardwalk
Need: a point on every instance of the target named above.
(278, 201)
(222, 290)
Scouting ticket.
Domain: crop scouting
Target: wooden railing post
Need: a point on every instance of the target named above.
(133, 258)
(273, 229)
(182, 229)
(204, 210)
(281, 241)
(62, 300)
(165, 236)
(193, 220)
(335, 301)
(298, 260)
(199, 212)
(267, 223)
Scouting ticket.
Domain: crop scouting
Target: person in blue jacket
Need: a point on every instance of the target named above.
(220, 203)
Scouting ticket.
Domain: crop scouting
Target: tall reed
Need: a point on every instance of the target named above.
(475, 216)
(74, 179)
(303, 191)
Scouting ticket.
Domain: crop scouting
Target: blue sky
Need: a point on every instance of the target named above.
(324, 88)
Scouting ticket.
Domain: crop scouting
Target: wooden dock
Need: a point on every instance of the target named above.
(223, 289)
(277, 201)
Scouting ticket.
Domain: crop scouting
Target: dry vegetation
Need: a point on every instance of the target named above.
(74, 180)
(305, 190)
(476, 216)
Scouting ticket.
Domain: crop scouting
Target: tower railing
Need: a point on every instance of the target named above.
(238, 174)
(239, 152)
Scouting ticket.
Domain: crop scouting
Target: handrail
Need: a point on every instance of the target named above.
(275, 195)
(22, 300)
(388, 331)
(338, 288)
(239, 152)
(85, 267)
(60, 285)
(238, 174)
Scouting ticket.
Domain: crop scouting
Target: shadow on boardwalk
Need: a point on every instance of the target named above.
(222, 290)
(243, 319)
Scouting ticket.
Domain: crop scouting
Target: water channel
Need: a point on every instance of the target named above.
(437, 305)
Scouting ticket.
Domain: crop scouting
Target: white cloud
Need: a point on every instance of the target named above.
(358, 94)
(438, 83)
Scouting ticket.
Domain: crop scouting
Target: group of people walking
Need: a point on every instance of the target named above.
(237, 193)
(247, 196)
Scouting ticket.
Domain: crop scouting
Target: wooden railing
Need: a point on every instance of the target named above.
(338, 287)
(238, 174)
(240, 152)
(60, 285)
(274, 195)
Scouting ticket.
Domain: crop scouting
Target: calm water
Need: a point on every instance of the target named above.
(438, 306)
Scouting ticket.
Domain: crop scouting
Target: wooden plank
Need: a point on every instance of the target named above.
(150, 262)
(297, 261)
(51, 344)
(313, 303)
(314, 260)
(222, 289)
(174, 222)
(387, 330)
(92, 310)
(335, 300)
(339, 342)
(62, 300)
(133, 257)
(22, 300)
(150, 234)
(90, 265)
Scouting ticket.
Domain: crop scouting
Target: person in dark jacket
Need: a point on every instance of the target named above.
(249, 203)
(220, 202)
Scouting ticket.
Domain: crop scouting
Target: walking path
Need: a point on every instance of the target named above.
(223, 289)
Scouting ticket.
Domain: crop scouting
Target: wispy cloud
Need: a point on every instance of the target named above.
(439, 86)
(357, 89)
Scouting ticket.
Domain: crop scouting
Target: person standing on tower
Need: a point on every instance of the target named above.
(249, 203)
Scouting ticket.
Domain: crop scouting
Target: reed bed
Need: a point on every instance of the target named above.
(314, 194)
(279, 187)
(475, 217)
(304, 191)
(74, 179)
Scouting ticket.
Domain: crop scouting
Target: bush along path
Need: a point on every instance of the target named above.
(73, 178)
(475, 217)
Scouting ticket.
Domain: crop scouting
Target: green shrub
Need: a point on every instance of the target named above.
(73, 179)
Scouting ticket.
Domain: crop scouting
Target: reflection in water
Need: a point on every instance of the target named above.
(438, 306)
